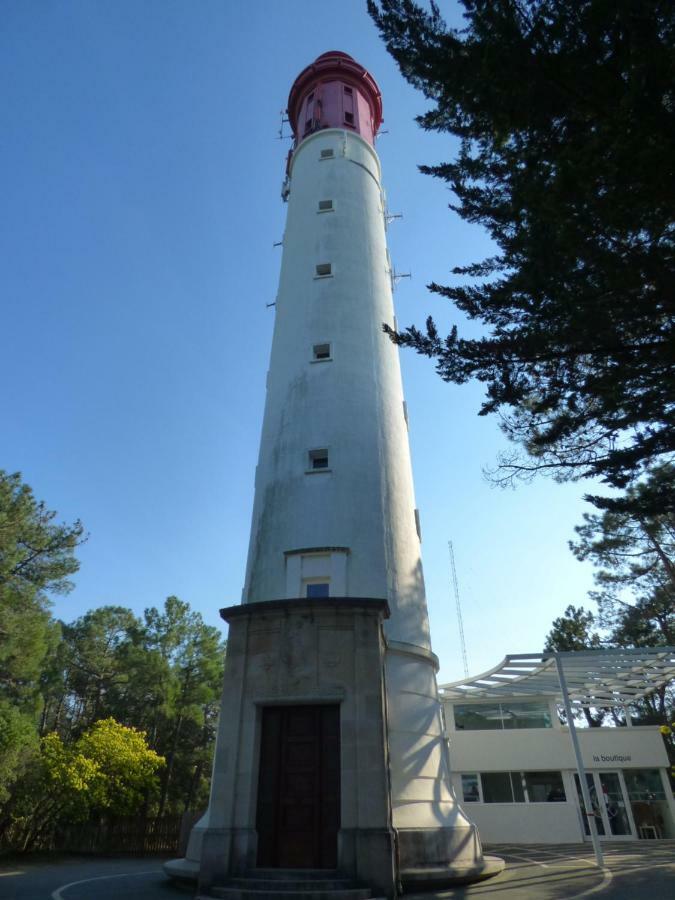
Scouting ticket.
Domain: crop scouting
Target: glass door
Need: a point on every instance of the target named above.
(599, 820)
(616, 810)
(613, 818)
(613, 815)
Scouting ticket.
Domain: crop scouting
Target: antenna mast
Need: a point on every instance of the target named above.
(459, 609)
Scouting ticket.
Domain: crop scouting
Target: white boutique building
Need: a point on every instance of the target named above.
(513, 760)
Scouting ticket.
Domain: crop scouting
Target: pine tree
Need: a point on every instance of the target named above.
(634, 554)
(565, 114)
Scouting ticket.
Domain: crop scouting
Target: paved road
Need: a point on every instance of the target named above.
(635, 871)
(84, 878)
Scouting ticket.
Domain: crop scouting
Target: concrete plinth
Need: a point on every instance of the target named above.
(295, 652)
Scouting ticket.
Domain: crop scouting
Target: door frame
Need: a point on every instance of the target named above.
(608, 836)
(632, 836)
(282, 707)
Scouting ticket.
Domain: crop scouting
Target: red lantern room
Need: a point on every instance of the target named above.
(335, 92)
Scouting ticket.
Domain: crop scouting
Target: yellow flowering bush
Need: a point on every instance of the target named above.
(110, 768)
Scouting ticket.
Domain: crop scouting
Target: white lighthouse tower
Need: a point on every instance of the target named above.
(331, 752)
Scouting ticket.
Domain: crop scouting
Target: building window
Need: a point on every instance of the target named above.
(481, 717)
(323, 270)
(502, 787)
(325, 205)
(470, 790)
(349, 118)
(327, 154)
(513, 787)
(321, 352)
(318, 460)
(544, 787)
(501, 716)
(644, 785)
(348, 90)
(316, 589)
(526, 715)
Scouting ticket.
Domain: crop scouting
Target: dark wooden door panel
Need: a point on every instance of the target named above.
(330, 785)
(299, 787)
(268, 785)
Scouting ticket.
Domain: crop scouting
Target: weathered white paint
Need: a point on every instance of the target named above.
(354, 407)
(353, 522)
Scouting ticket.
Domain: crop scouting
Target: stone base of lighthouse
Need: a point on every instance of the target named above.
(330, 755)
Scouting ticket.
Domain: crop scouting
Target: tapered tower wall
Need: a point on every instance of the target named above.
(333, 607)
(351, 404)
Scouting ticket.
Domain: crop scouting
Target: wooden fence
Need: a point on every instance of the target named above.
(135, 836)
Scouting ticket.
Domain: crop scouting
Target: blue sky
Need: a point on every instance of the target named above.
(141, 171)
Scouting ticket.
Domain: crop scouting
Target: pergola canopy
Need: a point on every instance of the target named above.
(594, 677)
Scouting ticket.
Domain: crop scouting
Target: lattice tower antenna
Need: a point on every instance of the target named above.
(459, 609)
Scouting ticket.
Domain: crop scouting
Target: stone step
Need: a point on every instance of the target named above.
(280, 892)
(309, 884)
(292, 874)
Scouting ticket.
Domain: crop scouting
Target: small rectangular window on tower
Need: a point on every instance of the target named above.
(327, 154)
(325, 205)
(318, 460)
(349, 118)
(348, 90)
(321, 352)
(323, 270)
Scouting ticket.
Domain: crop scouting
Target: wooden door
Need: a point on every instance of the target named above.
(298, 814)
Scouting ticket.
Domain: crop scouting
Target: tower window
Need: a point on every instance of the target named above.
(327, 154)
(321, 351)
(325, 205)
(348, 106)
(323, 269)
(318, 565)
(316, 589)
(318, 459)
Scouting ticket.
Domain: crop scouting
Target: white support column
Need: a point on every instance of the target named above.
(585, 793)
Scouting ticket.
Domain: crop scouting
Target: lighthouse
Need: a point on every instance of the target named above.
(331, 754)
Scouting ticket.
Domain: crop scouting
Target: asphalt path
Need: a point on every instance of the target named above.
(84, 878)
(634, 871)
(639, 870)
